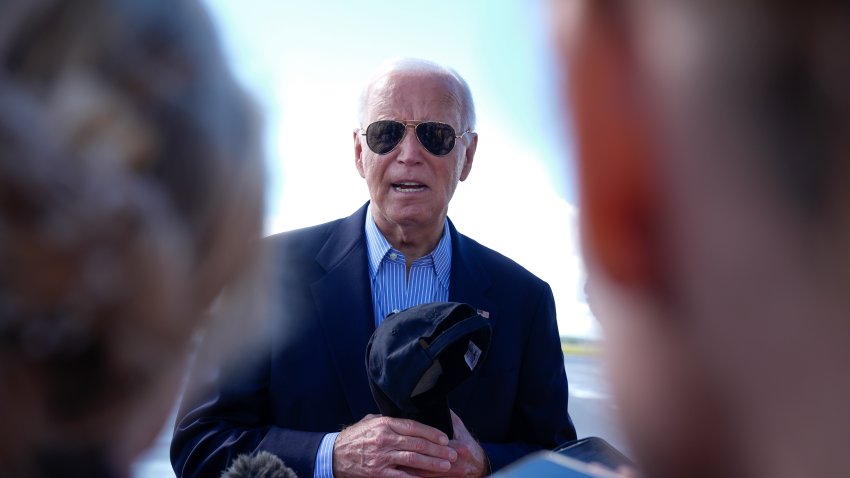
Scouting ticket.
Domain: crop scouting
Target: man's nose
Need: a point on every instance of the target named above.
(410, 151)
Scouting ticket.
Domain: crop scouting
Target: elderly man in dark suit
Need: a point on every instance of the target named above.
(307, 399)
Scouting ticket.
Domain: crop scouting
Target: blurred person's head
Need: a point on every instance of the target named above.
(714, 166)
(130, 194)
(411, 181)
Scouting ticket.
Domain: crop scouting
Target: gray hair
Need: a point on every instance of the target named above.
(467, 113)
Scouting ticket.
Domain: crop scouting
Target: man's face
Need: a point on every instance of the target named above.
(409, 186)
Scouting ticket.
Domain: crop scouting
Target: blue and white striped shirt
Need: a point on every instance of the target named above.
(428, 281)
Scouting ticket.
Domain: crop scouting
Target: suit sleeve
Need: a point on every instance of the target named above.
(540, 418)
(230, 416)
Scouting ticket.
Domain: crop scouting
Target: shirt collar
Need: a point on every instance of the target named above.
(378, 247)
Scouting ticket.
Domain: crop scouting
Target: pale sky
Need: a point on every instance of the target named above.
(305, 62)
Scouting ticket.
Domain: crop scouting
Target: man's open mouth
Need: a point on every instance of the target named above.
(409, 187)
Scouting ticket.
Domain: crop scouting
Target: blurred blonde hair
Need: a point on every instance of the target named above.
(130, 194)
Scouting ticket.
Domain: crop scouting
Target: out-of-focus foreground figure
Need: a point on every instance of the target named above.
(714, 162)
(130, 194)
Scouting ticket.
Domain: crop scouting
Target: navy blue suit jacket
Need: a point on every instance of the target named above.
(312, 379)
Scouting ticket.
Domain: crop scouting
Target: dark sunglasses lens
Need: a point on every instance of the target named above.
(383, 136)
(438, 138)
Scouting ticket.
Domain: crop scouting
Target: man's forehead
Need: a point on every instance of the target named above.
(414, 93)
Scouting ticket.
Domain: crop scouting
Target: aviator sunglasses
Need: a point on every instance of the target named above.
(438, 138)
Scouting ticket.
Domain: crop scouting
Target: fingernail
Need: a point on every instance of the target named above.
(444, 440)
(453, 455)
(445, 465)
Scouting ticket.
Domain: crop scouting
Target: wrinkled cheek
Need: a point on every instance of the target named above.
(374, 184)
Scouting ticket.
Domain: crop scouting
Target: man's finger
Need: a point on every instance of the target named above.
(413, 428)
(426, 447)
(413, 460)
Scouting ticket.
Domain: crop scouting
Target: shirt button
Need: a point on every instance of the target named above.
(393, 256)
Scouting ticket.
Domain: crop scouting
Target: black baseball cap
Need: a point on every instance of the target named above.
(417, 356)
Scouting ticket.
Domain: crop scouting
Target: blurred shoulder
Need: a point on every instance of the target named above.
(301, 242)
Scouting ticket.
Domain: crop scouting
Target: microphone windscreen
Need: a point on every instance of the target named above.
(258, 465)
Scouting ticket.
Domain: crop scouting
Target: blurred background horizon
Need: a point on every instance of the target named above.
(305, 63)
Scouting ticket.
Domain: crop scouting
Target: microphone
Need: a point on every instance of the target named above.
(258, 465)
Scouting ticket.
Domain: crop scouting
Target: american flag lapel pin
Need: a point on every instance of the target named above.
(484, 313)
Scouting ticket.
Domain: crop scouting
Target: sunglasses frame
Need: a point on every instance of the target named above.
(415, 124)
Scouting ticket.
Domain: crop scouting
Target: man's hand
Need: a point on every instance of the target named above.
(391, 447)
(471, 460)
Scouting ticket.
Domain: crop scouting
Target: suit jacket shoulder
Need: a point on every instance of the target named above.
(298, 244)
(496, 265)
(478, 272)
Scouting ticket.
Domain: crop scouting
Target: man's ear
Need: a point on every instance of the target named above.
(615, 157)
(470, 154)
(358, 153)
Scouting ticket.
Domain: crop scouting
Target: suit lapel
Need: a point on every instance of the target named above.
(344, 301)
(469, 284)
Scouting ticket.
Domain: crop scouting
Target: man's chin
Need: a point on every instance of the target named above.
(414, 216)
